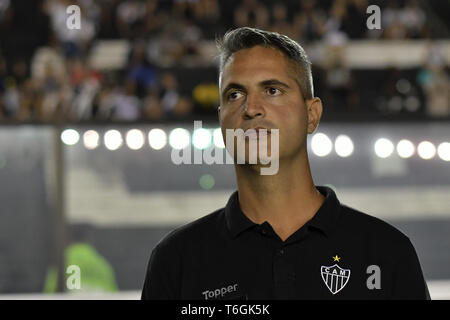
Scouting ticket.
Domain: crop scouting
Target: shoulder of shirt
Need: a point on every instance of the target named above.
(370, 225)
(207, 224)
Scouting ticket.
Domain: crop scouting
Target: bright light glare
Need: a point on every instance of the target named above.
(70, 137)
(444, 151)
(405, 148)
(384, 148)
(179, 138)
(91, 139)
(201, 138)
(426, 150)
(321, 145)
(344, 146)
(135, 139)
(113, 140)
(157, 139)
(218, 138)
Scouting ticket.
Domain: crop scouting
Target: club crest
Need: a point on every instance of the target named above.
(335, 277)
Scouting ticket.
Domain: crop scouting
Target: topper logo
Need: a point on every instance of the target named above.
(220, 292)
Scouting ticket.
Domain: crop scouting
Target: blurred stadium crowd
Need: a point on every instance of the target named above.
(170, 73)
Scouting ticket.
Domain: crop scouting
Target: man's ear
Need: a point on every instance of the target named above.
(314, 110)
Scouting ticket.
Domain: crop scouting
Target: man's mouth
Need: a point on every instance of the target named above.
(257, 132)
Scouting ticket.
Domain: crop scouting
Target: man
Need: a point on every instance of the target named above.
(280, 236)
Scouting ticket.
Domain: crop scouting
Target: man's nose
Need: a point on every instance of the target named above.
(254, 107)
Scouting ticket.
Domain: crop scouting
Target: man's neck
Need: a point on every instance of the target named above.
(286, 200)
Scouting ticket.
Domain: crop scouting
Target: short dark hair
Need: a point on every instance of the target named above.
(246, 38)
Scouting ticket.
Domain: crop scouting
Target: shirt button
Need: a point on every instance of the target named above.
(264, 232)
(281, 252)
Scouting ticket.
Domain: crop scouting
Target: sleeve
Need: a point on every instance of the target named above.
(163, 277)
(409, 282)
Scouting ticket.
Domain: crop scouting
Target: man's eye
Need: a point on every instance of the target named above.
(234, 95)
(273, 91)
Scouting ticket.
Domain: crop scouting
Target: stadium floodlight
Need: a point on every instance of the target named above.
(135, 139)
(70, 137)
(201, 138)
(179, 138)
(321, 145)
(426, 150)
(343, 146)
(405, 148)
(218, 138)
(443, 151)
(157, 138)
(113, 139)
(91, 139)
(383, 148)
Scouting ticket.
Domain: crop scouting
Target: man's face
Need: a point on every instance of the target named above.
(259, 89)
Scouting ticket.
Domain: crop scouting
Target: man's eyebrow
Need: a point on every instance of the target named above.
(269, 82)
(232, 85)
(272, 82)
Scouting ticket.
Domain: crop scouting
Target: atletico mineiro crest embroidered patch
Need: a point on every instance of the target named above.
(335, 277)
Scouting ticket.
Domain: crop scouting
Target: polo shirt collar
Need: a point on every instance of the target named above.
(236, 219)
(325, 218)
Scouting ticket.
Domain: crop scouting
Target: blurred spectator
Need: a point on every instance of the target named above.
(309, 21)
(152, 108)
(154, 18)
(333, 33)
(187, 34)
(130, 18)
(74, 42)
(206, 10)
(50, 79)
(165, 49)
(207, 16)
(51, 87)
(87, 88)
(46, 55)
(393, 27)
(190, 37)
(340, 94)
(28, 97)
(351, 17)
(413, 18)
(251, 13)
(126, 104)
(172, 102)
(140, 70)
(14, 86)
(169, 92)
(404, 22)
(281, 22)
(435, 81)
(105, 100)
(11, 98)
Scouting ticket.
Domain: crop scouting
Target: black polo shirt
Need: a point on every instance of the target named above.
(340, 253)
